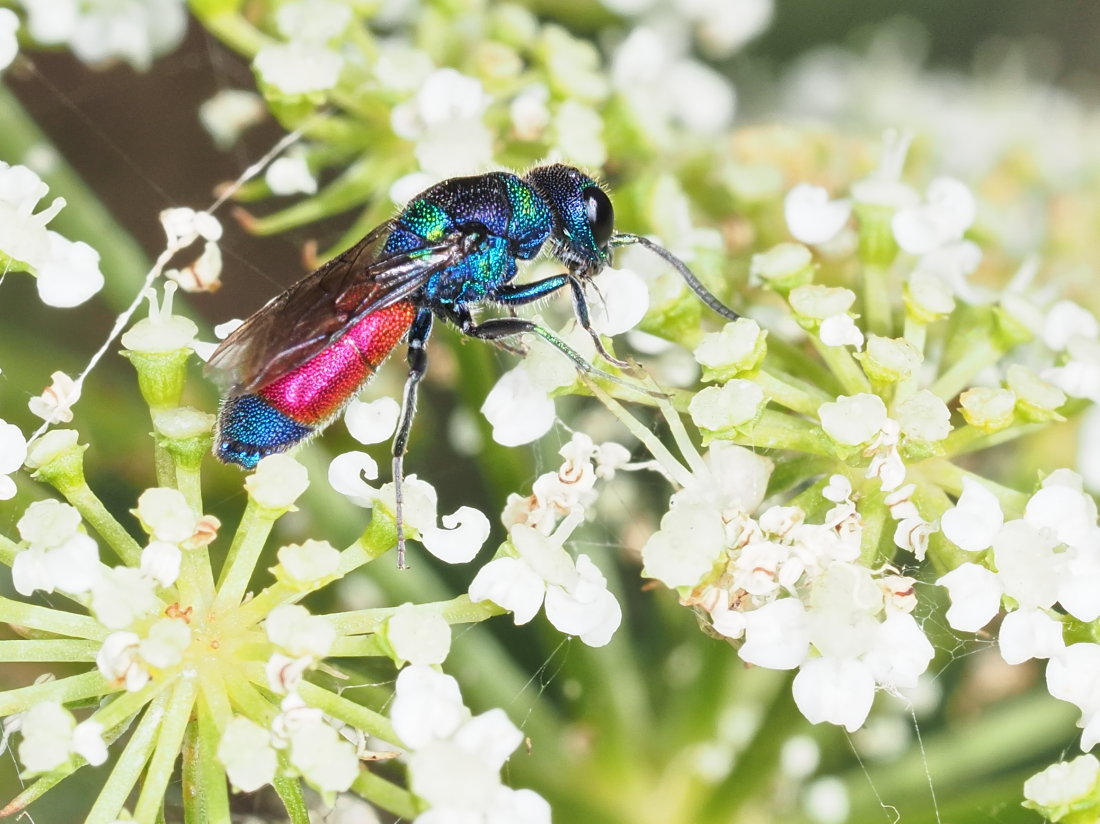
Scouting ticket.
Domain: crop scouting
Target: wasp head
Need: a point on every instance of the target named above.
(584, 219)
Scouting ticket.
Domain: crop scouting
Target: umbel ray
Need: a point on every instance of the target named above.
(294, 364)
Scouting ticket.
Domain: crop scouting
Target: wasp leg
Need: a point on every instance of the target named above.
(494, 329)
(418, 365)
(517, 294)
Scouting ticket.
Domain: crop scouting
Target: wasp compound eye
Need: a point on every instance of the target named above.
(601, 215)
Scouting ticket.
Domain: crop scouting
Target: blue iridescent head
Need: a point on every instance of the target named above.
(584, 220)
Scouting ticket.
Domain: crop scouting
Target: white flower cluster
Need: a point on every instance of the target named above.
(315, 749)
(793, 592)
(444, 120)
(537, 571)
(1049, 556)
(57, 555)
(306, 63)
(930, 228)
(67, 273)
(99, 30)
(463, 532)
(455, 757)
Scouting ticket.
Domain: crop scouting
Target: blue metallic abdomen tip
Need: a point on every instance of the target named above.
(249, 428)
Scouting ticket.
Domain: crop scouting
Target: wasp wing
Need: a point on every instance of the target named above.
(317, 310)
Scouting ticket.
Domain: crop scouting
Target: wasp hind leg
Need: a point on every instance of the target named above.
(418, 365)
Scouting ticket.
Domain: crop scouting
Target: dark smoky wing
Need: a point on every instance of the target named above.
(318, 309)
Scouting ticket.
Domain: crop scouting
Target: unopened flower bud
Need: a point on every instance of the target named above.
(277, 482)
(719, 409)
(186, 434)
(853, 420)
(889, 360)
(57, 459)
(927, 296)
(813, 303)
(987, 408)
(783, 267)
(307, 565)
(1036, 399)
(738, 348)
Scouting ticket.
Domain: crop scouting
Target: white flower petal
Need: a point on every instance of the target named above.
(812, 217)
(620, 299)
(511, 584)
(974, 521)
(372, 422)
(347, 474)
(834, 690)
(975, 596)
(418, 635)
(463, 535)
(776, 635)
(519, 408)
(1027, 634)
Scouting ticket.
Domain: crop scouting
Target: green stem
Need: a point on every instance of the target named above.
(386, 795)
(950, 477)
(102, 521)
(189, 482)
(124, 776)
(61, 650)
(206, 799)
(358, 646)
(63, 691)
(8, 550)
(844, 366)
(177, 714)
(51, 620)
(970, 438)
(977, 357)
(779, 430)
(39, 788)
(245, 551)
(347, 711)
(377, 539)
(457, 610)
(290, 793)
(790, 392)
(164, 466)
(876, 299)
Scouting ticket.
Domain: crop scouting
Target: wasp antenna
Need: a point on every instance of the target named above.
(696, 285)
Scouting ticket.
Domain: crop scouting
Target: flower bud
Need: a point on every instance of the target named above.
(924, 417)
(927, 297)
(988, 409)
(889, 360)
(813, 303)
(739, 348)
(185, 433)
(853, 420)
(308, 565)
(57, 459)
(1036, 399)
(1066, 791)
(277, 483)
(783, 267)
(725, 409)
